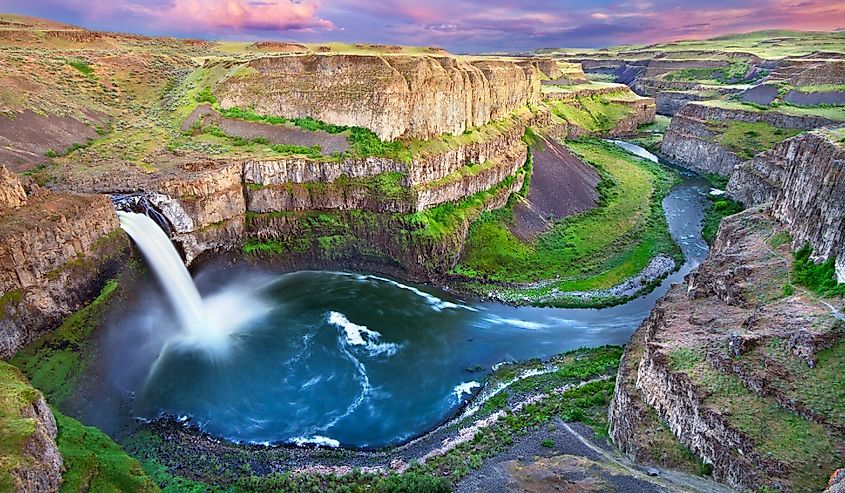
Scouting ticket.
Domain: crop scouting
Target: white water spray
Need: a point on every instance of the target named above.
(174, 278)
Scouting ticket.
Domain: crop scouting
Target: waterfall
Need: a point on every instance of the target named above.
(171, 273)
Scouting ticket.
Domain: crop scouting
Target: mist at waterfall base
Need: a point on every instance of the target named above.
(335, 358)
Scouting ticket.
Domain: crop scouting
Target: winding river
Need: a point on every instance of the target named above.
(349, 359)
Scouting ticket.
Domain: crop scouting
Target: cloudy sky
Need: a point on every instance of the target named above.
(458, 25)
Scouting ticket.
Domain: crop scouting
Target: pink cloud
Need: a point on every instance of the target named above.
(233, 15)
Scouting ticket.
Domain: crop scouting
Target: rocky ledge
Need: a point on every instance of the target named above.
(803, 177)
(737, 368)
(417, 97)
(695, 135)
(56, 249)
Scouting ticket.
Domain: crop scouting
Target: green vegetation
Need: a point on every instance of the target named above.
(352, 483)
(776, 433)
(15, 396)
(717, 181)
(205, 96)
(596, 249)
(94, 463)
(9, 299)
(819, 278)
(835, 113)
(597, 113)
(55, 362)
(718, 209)
(731, 73)
(682, 358)
(364, 142)
(749, 139)
(83, 66)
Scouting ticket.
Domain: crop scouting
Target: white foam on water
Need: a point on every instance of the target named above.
(312, 382)
(360, 335)
(354, 332)
(515, 322)
(436, 303)
(316, 440)
(363, 380)
(465, 388)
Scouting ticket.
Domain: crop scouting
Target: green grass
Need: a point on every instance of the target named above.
(205, 96)
(682, 358)
(15, 395)
(363, 142)
(729, 74)
(592, 250)
(819, 278)
(749, 139)
(718, 209)
(821, 88)
(94, 463)
(9, 299)
(597, 113)
(55, 362)
(83, 66)
(833, 113)
(776, 433)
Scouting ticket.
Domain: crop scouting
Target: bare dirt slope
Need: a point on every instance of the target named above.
(561, 185)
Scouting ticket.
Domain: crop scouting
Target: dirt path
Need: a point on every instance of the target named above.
(561, 185)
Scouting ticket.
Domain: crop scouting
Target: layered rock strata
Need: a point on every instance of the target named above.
(726, 355)
(804, 178)
(417, 97)
(39, 464)
(55, 252)
(691, 142)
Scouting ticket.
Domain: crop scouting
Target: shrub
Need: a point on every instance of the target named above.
(83, 66)
(819, 278)
(205, 96)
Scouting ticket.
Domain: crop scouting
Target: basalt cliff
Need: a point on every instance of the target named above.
(395, 96)
(738, 362)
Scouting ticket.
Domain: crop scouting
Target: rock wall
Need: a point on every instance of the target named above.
(690, 142)
(40, 463)
(12, 192)
(686, 366)
(811, 202)
(55, 253)
(416, 97)
(804, 178)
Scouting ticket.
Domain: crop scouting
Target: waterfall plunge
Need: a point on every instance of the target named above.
(195, 320)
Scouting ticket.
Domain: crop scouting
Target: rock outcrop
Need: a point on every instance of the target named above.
(55, 253)
(36, 465)
(720, 356)
(12, 192)
(416, 97)
(693, 143)
(804, 177)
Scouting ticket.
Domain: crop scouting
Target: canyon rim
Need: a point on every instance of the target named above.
(235, 263)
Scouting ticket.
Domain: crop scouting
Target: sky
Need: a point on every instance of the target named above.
(457, 25)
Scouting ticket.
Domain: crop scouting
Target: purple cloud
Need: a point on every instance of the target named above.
(459, 25)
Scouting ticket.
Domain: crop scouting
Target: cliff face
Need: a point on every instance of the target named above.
(726, 355)
(54, 254)
(693, 143)
(12, 192)
(414, 97)
(804, 178)
(35, 462)
(811, 203)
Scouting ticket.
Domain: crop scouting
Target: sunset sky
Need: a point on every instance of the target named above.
(458, 25)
